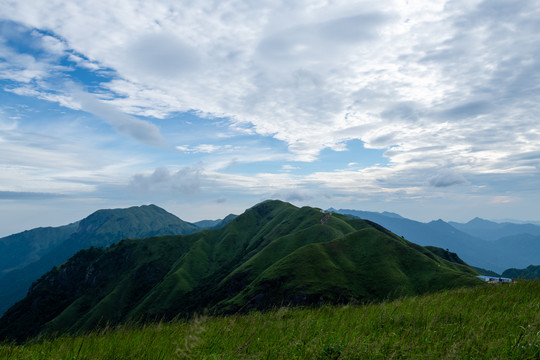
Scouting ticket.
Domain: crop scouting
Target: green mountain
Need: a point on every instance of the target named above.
(531, 272)
(273, 254)
(100, 229)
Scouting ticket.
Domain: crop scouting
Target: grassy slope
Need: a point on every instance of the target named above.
(484, 322)
(365, 265)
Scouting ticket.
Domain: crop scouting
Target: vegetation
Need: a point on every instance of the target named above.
(41, 249)
(273, 254)
(483, 322)
(530, 272)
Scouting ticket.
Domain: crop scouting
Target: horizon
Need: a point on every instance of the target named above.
(429, 110)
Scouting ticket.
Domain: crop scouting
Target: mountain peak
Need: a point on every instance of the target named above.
(392, 215)
(479, 221)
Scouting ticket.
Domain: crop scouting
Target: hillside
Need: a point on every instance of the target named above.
(468, 323)
(514, 251)
(530, 272)
(19, 250)
(274, 253)
(100, 229)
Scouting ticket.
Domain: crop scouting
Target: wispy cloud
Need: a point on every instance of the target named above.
(141, 130)
(20, 195)
(445, 178)
(186, 181)
(202, 148)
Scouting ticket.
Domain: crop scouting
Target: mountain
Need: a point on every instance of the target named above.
(19, 250)
(491, 231)
(273, 254)
(486, 272)
(435, 233)
(100, 229)
(531, 272)
(496, 255)
(215, 224)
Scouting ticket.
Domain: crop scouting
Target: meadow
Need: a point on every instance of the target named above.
(483, 322)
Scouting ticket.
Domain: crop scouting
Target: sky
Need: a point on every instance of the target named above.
(430, 109)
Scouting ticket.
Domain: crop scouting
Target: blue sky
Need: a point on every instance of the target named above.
(429, 108)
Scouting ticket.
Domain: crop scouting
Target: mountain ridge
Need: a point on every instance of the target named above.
(100, 229)
(514, 251)
(274, 253)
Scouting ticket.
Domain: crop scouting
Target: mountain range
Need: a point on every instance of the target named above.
(273, 254)
(479, 242)
(30, 254)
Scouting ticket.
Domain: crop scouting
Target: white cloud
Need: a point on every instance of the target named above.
(186, 181)
(445, 178)
(202, 148)
(83, 62)
(141, 130)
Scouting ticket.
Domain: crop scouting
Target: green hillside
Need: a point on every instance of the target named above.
(100, 229)
(274, 253)
(530, 272)
(483, 322)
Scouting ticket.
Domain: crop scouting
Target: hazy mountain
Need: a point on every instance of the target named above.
(215, 224)
(531, 272)
(19, 250)
(489, 230)
(496, 255)
(273, 254)
(100, 229)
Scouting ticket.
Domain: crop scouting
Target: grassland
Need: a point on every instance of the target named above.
(483, 322)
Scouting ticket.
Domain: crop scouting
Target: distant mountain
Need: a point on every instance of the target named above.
(491, 231)
(273, 254)
(496, 255)
(100, 229)
(531, 272)
(486, 272)
(215, 224)
(19, 250)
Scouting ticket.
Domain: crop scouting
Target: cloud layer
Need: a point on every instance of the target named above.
(447, 89)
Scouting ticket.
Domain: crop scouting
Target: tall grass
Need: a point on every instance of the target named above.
(485, 322)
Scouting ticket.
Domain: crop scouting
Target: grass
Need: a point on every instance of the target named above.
(484, 322)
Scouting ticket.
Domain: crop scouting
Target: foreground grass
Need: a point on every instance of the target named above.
(486, 322)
